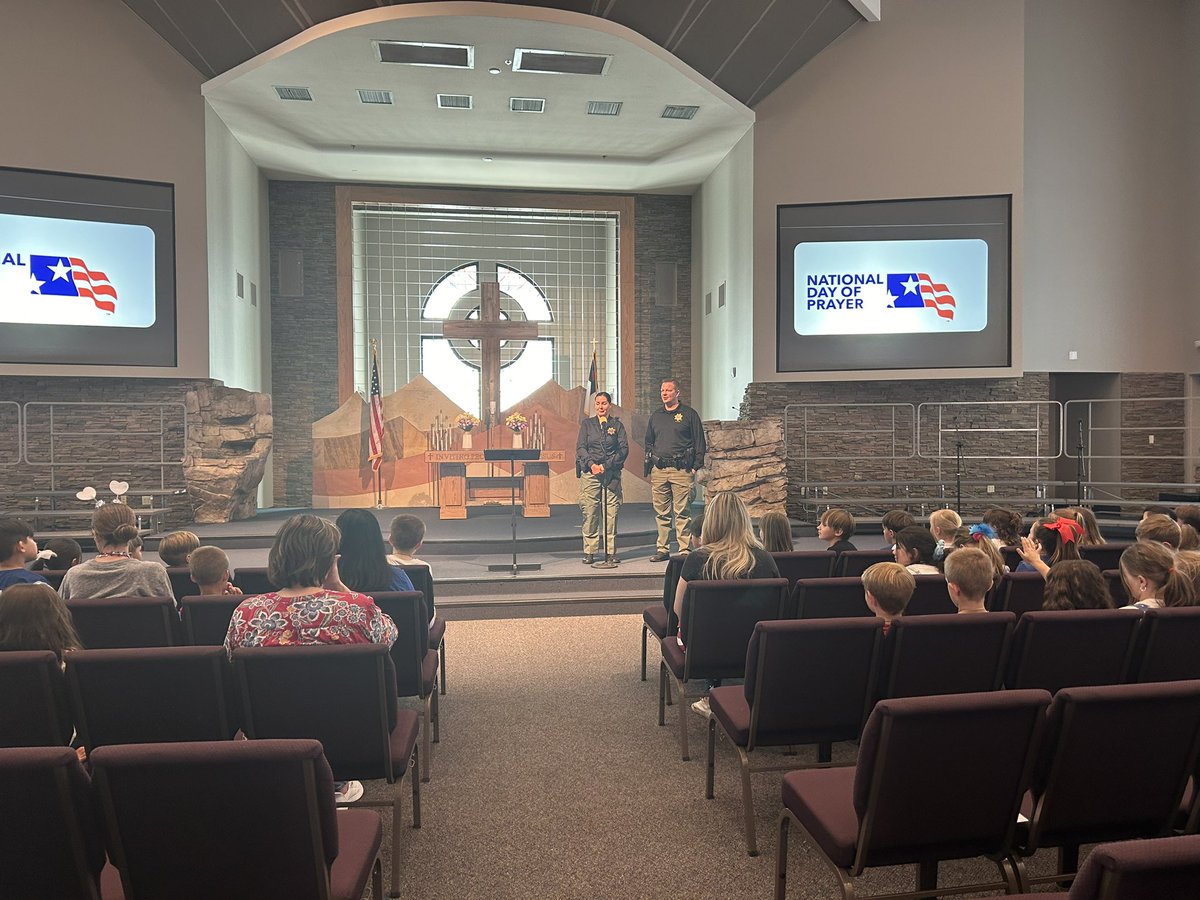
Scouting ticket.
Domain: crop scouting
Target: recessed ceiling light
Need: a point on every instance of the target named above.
(423, 53)
(494, 70)
(560, 62)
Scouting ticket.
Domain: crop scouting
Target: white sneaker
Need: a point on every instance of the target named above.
(700, 707)
(351, 791)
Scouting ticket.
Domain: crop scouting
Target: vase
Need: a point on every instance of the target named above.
(466, 444)
(517, 441)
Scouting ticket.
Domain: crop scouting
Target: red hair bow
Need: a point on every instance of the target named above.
(1068, 529)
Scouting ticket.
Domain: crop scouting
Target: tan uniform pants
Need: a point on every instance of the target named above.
(593, 516)
(672, 492)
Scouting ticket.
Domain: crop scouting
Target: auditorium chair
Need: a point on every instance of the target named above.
(1020, 592)
(343, 695)
(806, 683)
(717, 621)
(51, 845)
(930, 597)
(181, 581)
(1106, 556)
(1115, 766)
(943, 654)
(422, 580)
(194, 821)
(829, 598)
(852, 563)
(34, 710)
(253, 580)
(54, 576)
(937, 778)
(126, 622)
(659, 619)
(152, 695)
(206, 618)
(1116, 587)
(796, 564)
(1168, 640)
(1072, 648)
(416, 665)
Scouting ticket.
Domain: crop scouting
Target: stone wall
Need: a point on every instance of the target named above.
(748, 459)
(1145, 418)
(304, 329)
(230, 437)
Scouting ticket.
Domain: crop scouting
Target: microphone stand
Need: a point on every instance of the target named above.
(1079, 467)
(958, 465)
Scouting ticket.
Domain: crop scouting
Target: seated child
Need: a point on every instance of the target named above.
(893, 521)
(17, 547)
(944, 524)
(174, 548)
(835, 528)
(1006, 524)
(1158, 510)
(135, 547)
(914, 550)
(969, 575)
(1051, 540)
(34, 617)
(407, 534)
(1160, 529)
(888, 588)
(775, 532)
(58, 555)
(210, 571)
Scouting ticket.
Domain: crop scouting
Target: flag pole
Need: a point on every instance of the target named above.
(375, 412)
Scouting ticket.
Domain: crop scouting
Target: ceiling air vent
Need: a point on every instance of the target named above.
(560, 62)
(604, 108)
(293, 93)
(527, 104)
(418, 53)
(454, 101)
(383, 98)
(680, 112)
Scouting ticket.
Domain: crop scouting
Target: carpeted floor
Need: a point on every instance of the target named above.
(553, 779)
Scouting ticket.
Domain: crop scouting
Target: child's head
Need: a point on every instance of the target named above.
(174, 548)
(776, 532)
(60, 554)
(888, 588)
(835, 525)
(969, 573)
(135, 546)
(1158, 510)
(895, 520)
(1006, 523)
(1188, 514)
(943, 523)
(915, 545)
(978, 536)
(1076, 584)
(1086, 519)
(34, 617)
(16, 540)
(1160, 529)
(209, 567)
(1189, 538)
(1058, 538)
(1149, 572)
(407, 533)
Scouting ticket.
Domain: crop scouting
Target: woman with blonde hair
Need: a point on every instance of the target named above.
(776, 532)
(730, 551)
(114, 572)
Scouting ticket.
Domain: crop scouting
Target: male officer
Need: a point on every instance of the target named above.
(674, 451)
(600, 453)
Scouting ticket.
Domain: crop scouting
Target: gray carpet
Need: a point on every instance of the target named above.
(552, 779)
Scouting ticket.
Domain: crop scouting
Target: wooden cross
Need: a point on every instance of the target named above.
(489, 329)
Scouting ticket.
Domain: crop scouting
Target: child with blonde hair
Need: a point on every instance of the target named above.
(887, 588)
(174, 548)
(969, 575)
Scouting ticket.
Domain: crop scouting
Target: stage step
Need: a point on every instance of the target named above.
(502, 589)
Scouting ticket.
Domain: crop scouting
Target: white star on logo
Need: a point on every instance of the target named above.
(61, 270)
(35, 286)
(910, 286)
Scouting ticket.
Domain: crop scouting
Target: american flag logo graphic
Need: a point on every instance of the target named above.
(69, 276)
(916, 289)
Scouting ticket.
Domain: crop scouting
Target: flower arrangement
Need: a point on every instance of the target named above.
(466, 421)
(516, 422)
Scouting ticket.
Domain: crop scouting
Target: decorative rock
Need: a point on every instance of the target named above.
(228, 443)
(749, 460)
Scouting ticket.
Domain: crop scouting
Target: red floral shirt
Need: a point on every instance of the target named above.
(326, 617)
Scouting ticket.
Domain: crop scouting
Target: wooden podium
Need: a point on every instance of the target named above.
(457, 488)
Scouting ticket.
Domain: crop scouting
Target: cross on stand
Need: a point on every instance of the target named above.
(489, 329)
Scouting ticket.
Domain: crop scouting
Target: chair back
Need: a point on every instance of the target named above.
(181, 581)
(931, 597)
(1141, 870)
(422, 580)
(180, 818)
(125, 622)
(1116, 587)
(1072, 648)
(1116, 762)
(54, 576)
(50, 839)
(343, 695)
(957, 654)
(206, 619)
(718, 619)
(253, 580)
(1021, 592)
(1106, 556)
(796, 564)
(34, 711)
(670, 585)
(1011, 557)
(852, 563)
(810, 682)
(151, 695)
(407, 609)
(963, 758)
(830, 598)
(1168, 640)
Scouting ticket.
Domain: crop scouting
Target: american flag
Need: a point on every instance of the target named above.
(937, 296)
(375, 445)
(589, 389)
(916, 289)
(69, 276)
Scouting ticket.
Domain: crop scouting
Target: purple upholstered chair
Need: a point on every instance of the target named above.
(830, 598)
(926, 655)
(1168, 640)
(1116, 764)
(343, 695)
(34, 711)
(253, 580)
(181, 581)
(659, 619)
(422, 580)
(1021, 592)
(206, 618)
(1106, 556)
(233, 819)
(126, 622)
(937, 778)
(1072, 648)
(807, 682)
(853, 563)
(931, 597)
(50, 839)
(1116, 587)
(718, 619)
(796, 564)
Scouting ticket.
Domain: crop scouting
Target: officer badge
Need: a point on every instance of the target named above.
(678, 417)
(611, 430)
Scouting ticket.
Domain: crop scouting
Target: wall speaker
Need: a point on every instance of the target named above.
(291, 273)
(664, 284)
